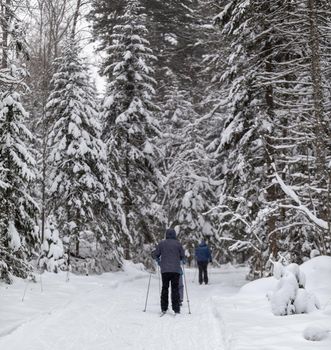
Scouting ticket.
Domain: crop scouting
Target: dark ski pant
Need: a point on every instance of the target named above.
(203, 274)
(181, 288)
(167, 278)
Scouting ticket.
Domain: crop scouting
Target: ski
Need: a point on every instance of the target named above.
(173, 314)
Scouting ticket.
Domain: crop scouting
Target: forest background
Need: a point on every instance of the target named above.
(215, 120)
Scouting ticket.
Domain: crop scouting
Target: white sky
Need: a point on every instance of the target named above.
(89, 50)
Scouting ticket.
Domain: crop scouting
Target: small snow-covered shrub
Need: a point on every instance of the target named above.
(290, 296)
(278, 270)
(314, 333)
(299, 275)
(95, 256)
(103, 261)
(282, 299)
(305, 302)
(52, 255)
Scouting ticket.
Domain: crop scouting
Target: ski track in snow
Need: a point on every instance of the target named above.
(107, 314)
(226, 334)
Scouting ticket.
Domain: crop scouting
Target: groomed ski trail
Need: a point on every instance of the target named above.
(108, 315)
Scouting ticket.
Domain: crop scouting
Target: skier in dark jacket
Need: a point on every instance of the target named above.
(170, 253)
(203, 257)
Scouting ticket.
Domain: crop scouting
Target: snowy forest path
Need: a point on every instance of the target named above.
(105, 312)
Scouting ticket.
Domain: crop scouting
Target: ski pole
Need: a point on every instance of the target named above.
(25, 289)
(149, 282)
(188, 301)
(158, 268)
(41, 284)
(195, 274)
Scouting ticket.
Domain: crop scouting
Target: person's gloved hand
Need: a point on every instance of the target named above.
(158, 261)
(183, 262)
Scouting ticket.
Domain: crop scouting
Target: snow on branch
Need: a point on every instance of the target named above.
(291, 194)
(242, 245)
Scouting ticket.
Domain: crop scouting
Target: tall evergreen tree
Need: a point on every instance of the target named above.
(130, 126)
(17, 164)
(17, 207)
(79, 177)
(170, 33)
(237, 126)
(272, 101)
(187, 189)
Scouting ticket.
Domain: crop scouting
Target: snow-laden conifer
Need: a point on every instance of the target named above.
(271, 122)
(302, 102)
(17, 171)
(187, 189)
(18, 238)
(79, 177)
(52, 257)
(239, 120)
(130, 126)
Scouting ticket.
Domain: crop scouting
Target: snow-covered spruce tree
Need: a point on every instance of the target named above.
(79, 180)
(17, 164)
(297, 144)
(174, 29)
(130, 128)
(242, 157)
(170, 28)
(187, 189)
(170, 32)
(104, 16)
(45, 44)
(304, 104)
(215, 111)
(17, 207)
(52, 256)
(278, 92)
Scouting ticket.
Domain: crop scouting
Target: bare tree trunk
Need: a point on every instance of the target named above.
(271, 191)
(317, 86)
(44, 176)
(329, 214)
(320, 126)
(5, 18)
(53, 21)
(75, 20)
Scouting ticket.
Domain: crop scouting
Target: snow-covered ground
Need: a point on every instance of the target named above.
(106, 313)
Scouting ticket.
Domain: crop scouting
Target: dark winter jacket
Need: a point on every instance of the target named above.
(202, 252)
(169, 252)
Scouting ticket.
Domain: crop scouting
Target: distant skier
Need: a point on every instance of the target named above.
(171, 254)
(203, 257)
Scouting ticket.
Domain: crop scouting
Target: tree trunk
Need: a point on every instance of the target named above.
(271, 191)
(317, 86)
(75, 20)
(5, 9)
